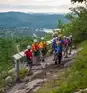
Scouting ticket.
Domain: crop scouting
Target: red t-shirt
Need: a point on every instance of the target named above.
(28, 54)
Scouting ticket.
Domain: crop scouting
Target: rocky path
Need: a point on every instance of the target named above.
(42, 73)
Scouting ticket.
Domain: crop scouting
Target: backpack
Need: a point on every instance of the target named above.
(65, 42)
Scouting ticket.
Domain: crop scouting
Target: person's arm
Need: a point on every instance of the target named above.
(31, 55)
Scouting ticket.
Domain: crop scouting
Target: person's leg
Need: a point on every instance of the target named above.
(53, 55)
(37, 57)
(30, 68)
(66, 52)
(55, 58)
(34, 58)
(70, 49)
(43, 54)
(60, 58)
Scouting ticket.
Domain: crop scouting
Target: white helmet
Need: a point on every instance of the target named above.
(64, 36)
(67, 37)
(42, 38)
(28, 47)
(70, 36)
(35, 40)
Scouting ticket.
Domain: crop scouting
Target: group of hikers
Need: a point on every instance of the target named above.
(36, 52)
(61, 46)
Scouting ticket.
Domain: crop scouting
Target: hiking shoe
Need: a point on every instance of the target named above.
(43, 60)
(55, 63)
(66, 57)
(69, 53)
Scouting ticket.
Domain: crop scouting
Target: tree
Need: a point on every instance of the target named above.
(78, 24)
(60, 24)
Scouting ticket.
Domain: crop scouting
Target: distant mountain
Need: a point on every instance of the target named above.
(18, 20)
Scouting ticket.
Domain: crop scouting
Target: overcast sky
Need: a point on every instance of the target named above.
(36, 6)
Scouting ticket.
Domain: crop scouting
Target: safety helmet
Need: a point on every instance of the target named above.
(28, 47)
(67, 37)
(64, 36)
(35, 40)
(42, 38)
(70, 36)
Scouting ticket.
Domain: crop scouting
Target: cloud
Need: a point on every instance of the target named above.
(37, 6)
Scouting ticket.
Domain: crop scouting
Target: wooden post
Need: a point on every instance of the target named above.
(17, 70)
(17, 66)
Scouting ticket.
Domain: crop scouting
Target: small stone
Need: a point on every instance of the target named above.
(8, 80)
(26, 79)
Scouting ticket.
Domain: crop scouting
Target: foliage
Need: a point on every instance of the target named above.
(73, 79)
(59, 24)
(48, 36)
(8, 48)
(78, 24)
(23, 72)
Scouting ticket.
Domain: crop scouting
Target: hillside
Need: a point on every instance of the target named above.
(18, 19)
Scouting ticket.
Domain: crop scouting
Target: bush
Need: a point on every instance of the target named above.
(74, 79)
(23, 72)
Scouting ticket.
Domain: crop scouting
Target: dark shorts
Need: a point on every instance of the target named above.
(58, 56)
(29, 62)
(44, 51)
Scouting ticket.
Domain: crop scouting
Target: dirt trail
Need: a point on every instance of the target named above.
(42, 73)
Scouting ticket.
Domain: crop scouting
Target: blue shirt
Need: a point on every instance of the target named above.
(58, 49)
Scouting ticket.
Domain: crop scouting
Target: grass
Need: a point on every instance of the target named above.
(73, 79)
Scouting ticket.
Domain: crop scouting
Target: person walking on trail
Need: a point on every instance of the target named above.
(66, 47)
(28, 54)
(43, 48)
(36, 52)
(70, 44)
(58, 50)
(54, 46)
(64, 44)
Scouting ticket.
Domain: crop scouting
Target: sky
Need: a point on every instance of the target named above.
(36, 6)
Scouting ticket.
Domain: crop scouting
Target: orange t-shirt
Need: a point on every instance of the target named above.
(35, 47)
